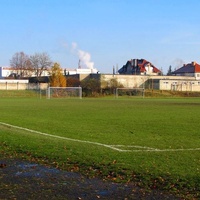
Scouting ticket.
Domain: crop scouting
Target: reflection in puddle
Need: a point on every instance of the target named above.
(30, 170)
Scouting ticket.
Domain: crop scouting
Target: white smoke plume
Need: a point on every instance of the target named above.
(84, 57)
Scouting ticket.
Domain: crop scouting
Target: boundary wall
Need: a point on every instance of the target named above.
(21, 85)
(176, 83)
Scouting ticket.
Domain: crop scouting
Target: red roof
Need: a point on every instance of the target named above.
(139, 64)
(197, 68)
(144, 63)
(189, 68)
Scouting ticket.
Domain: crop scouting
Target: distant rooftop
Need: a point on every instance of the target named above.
(192, 67)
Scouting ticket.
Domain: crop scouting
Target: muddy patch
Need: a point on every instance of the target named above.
(24, 180)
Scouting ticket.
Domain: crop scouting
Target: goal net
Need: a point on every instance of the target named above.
(64, 92)
(129, 92)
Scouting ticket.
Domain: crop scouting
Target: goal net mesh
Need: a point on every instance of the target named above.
(64, 92)
(129, 92)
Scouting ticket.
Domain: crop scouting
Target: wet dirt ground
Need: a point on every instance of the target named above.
(21, 180)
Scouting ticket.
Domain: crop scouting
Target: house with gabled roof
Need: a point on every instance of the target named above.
(191, 69)
(139, 67)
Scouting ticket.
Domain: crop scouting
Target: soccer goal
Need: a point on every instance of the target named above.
(64, 92)
(129, 92)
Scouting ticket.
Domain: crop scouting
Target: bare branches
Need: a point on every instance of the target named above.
(40, 63)
(21, 63)
(27, 66)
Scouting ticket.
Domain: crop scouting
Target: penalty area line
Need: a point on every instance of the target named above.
(149, 149)
(135, 146)
(113, 147)
(60, 137)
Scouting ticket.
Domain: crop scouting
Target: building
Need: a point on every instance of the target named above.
(80, 71)
(10, 72)
(146, 75)
(192, 69)
(6, 72)
(139, 67)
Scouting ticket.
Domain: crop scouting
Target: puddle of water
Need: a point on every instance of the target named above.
(30, 170)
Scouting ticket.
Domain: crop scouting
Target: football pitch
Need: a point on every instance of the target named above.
(153, 142)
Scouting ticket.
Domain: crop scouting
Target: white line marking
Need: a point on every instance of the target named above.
(60, 137)
(113, 147)
(152, 149)
(134, 146)
(190, 149)
(161, 150)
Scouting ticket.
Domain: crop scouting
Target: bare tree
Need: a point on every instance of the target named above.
(40, 63)
(21, 64)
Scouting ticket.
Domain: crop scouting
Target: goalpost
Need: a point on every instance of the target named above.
(64, 92)
(130, 92)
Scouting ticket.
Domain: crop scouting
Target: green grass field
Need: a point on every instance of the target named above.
(152, 142)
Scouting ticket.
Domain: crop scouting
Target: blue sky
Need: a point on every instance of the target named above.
(102, 33)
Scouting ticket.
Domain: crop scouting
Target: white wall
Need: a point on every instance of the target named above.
(20, 85)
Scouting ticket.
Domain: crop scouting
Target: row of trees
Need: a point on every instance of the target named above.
(25, 65)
